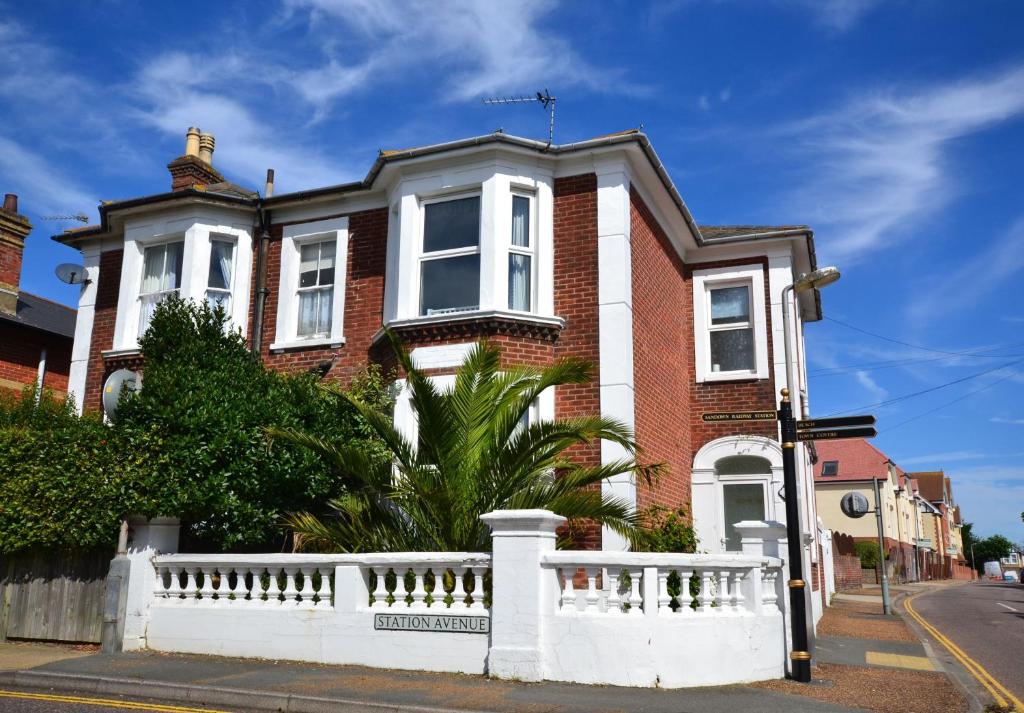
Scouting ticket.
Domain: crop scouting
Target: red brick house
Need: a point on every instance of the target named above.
(35, 333)
(582, 249)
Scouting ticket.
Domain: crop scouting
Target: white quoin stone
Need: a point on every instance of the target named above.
(524, 594)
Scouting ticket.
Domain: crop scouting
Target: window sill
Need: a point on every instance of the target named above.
(120, 353)
(474, 324)
(713, 376)
(320, 343)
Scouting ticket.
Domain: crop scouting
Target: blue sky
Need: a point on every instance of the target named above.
(895, 129)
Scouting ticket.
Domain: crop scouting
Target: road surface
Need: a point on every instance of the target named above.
(23, 700)
(986, 620)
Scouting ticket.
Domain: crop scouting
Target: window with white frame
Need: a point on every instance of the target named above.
(311, 307)
(729, 319)
(161, 277)
(218, 282)
(316, 288)
(731, 333)
(521, 256)
(450, 256)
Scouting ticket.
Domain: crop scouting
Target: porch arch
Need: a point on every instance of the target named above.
(733, 461)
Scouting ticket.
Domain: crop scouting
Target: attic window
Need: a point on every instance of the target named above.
(830, 467)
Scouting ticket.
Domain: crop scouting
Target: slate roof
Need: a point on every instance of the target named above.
(858, 460)
(718, 232)
(43, 314)
(932, 484)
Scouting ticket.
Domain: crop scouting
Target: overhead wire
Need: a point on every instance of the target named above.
(948, 403)
(916, 346)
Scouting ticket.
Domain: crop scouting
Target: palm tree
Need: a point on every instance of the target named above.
(475, 454)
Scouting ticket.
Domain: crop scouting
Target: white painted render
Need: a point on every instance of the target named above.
(83, 325)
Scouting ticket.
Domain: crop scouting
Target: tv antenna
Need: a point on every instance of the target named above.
(543, 98)
(80, 217)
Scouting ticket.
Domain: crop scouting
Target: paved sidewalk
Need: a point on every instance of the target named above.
(244, 685)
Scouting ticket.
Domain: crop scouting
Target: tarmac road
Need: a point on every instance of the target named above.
(986, 620)
(18, 700)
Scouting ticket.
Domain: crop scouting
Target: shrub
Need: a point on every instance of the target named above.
(63, 481)
(666, 530)
(868, 553)
(197, 431)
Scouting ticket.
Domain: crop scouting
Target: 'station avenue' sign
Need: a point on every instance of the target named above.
(450, 623)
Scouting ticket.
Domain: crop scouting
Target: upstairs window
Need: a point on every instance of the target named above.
(218, 283)
(161, 277)
(450, 259)
(520, 257)
(316, 289)
(731, 330)
(830, 468)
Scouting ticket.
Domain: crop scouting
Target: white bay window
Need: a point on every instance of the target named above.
(218, 282)
(161, 277)
(520, 256)
(450, 258)
(729, 319)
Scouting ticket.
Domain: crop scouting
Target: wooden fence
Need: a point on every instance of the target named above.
(52, 596)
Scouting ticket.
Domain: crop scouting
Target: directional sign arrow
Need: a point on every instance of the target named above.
(833, 434)
(841, 422)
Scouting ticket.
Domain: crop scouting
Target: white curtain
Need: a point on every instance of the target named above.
(161, 275)
(521, 221)
(519, 282)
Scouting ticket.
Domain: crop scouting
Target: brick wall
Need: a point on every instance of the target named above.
(20, 349)
(575, 229)
(107, 288)
(364, 300)
(662, 355)
(848, 572)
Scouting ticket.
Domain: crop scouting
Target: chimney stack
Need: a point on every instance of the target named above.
(14, 228)
(194, 169)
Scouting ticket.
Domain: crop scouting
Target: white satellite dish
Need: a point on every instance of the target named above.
(71, 273)
(114, 386)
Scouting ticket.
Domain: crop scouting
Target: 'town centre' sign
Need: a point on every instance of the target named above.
(451, 623)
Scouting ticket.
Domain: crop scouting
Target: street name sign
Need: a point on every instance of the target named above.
(718, 416)
(446, 623)
(841, 422)
(833, 434)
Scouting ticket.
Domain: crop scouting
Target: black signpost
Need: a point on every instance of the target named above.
(818, 429)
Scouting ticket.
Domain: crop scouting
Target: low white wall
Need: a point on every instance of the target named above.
(613, 618)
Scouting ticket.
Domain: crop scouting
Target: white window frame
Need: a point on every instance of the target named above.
(423, 256)
(716, 278)
(530, 250)
(142, 278)
(230, 290)
(287, 325)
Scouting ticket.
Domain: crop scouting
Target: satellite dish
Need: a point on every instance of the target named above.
(854, 505)
(114, 386)
(71, 273)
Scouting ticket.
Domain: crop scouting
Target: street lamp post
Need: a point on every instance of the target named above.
(799, 656)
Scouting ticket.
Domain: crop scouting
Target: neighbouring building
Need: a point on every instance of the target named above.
(584, 249)
(937, 489)
(36, 334)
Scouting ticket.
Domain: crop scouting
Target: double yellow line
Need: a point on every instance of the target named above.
(999, 692)
(106, 702)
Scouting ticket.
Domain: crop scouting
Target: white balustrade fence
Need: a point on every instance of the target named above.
(526, 611)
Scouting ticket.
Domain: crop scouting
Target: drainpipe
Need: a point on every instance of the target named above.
(262, 227)
(41, 374)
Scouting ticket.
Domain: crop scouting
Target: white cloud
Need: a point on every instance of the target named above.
(876, 392)
(703, 103)
(974, 279)
(476, 47)
(990, 497)
(880, 162)
(840, 15)
(1011, 421)
(938, 459)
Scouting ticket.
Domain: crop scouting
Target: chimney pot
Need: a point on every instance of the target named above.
(192, 141)
(10, 203)
(206, 143)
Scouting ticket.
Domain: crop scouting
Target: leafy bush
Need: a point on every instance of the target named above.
(868, 553)
(63, 481)
(197, 430)
(666, 530)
